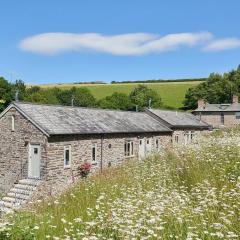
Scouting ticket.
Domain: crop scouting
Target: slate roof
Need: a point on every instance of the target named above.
(177, 119)
(58, 120)
(219, 108)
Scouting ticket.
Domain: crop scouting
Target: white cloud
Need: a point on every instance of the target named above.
(124, 44)
(223, 44)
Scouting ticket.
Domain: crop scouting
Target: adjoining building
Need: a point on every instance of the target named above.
(186, 127)
(219, 115)
(49, 142)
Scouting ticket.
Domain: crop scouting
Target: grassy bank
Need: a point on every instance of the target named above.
(172, 93)
(191, 193)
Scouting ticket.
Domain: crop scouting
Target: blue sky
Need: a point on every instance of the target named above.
(73, 41)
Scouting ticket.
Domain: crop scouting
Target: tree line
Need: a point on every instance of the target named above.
(138, 99)
(218, 88)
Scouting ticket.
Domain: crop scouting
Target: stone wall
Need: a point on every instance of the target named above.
(14, 147)
(14, 152)
(111, 147)
(180, 135)
(214, 119)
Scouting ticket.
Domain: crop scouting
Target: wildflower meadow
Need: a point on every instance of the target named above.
(188, 193)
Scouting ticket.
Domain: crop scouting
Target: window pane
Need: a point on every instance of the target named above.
(237, 115)
(132, 148)
(67, 157)
(128, 149)
(35, 150)
(222, 118)
(93, 153)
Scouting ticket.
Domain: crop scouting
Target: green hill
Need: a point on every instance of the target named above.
(172, 93)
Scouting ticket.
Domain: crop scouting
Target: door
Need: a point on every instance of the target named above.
(34, 161)
(142, 148)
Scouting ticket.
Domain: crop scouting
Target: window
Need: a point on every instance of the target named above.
(187, 137)
(192, 136)
(222, 118)
(13, 123)
(67, 156)
(94, 153)
(35, 150)
(128, 148)
(176, 138)
(237, 115)
(157, 144)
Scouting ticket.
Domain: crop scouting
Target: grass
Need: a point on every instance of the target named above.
(188, 193)
(172, 93)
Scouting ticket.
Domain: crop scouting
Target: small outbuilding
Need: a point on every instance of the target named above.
(185, 126)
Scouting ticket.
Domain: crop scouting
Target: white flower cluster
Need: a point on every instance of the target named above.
(191, 193)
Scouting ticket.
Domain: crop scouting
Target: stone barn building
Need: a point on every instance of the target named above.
(186, 127)
(219, 115)
(44, 145)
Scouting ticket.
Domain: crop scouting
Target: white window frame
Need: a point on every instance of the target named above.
(129, 153)
(13, 123)
(222, 118)
(237, 115)
(192, 136)
(70, 156)
(157, 144)
(94, 146)
(176, 138)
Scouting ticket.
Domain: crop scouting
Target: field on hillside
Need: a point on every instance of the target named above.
(189, 193)
(172, 93)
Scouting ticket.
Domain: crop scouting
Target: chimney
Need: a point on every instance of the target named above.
(235, 99)
(201, 103)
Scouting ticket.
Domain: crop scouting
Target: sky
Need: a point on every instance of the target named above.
(62, 41)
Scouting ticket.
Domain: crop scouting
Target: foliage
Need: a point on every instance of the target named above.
(172, 93)
(82, 97)
(188, 193)
(161, 81)
(85, 169)
(8, 90)
(141, 96)
(117, 101)
(217, 89)
(5, 93)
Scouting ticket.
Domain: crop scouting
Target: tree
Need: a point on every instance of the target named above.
(5, 93)
(19, 86)
(82, 97)
(217, 89)
(117, 101)
(39, 95)
(141, 95)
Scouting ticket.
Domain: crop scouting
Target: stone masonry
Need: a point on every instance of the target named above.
(214, 118)
(14, 148)
(14, 152)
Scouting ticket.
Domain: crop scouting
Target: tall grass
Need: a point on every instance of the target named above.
(190, 193)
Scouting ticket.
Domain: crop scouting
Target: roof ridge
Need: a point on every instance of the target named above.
(66, 106)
